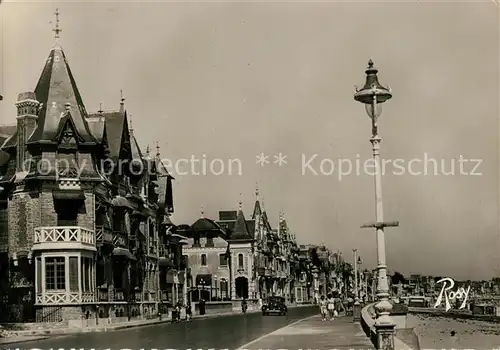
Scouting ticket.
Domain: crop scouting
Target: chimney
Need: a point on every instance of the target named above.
(27, 116)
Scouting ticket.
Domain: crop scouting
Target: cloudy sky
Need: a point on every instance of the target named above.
(231, 80)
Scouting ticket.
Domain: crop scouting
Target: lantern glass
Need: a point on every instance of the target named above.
(373, 110)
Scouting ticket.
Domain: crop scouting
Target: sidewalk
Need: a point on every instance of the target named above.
(313, 333)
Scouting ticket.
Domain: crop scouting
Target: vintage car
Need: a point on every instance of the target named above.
(274, 305)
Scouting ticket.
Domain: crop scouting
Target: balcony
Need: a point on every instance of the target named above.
(64, 237)
(120, 240)
(153, 248)
(103, 236)
(62, 297)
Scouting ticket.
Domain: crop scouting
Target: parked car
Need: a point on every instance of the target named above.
(274, 305)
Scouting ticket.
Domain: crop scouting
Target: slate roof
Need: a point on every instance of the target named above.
(97, 126)
(136, 151)
(256, 210)
(55, 88)
(204, 224)
(8, 136)
(240, 229)
(116, 131)
(266, 221)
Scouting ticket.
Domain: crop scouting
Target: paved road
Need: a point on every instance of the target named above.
(225, 332)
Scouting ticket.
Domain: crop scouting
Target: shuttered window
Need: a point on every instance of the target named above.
(38, 268)
(73, 274)
(86, 274)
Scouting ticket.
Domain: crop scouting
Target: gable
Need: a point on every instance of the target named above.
(67, 135)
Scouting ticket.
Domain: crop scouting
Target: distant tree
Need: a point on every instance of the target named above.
(437, 279)
(397, 278)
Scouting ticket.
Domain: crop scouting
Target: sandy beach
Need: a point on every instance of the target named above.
(447, 333)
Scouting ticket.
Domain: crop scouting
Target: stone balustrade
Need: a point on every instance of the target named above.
(404, 338)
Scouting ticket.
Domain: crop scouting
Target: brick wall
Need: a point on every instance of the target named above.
(47, 211)
(4, 226)
(46, 164)
(86, 215)
(23, 217)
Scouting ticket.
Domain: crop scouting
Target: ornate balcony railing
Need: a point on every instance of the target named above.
(50, 235)
(120, 240)
(62, 297)
(153, 248)
(119, 295)
(103, 235)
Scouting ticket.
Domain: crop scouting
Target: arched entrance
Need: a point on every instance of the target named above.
(241, 286)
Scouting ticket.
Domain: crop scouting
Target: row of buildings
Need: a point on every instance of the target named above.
(86, 229)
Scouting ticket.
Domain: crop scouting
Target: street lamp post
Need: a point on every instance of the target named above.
(356, 311)
(315, 272)
(372, 95)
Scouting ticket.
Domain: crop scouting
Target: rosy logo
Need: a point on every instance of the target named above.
(451, 295)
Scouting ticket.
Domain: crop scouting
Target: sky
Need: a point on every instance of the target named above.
(231, 80)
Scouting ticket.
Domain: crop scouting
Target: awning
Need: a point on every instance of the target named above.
(204, 280)
(140, 213)
(174, 237)
(102, 198)
(124, 252)
(165, 262)
(172, 277)
(68, 194)
(123, 202)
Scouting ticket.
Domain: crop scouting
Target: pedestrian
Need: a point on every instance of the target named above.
(188, 311)
(331, 307)
(244, 305)
(323, 307)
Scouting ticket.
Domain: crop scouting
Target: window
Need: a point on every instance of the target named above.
(210, 242)
(203, 259)
(38, 268)
(196, 242)
(117, 220)
(55, 273)
(240, 260)
(223, 260)
(86, 267)
(184, 262)
(73, 274)
(67, 213)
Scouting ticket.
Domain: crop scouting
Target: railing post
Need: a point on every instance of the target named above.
(385, 336)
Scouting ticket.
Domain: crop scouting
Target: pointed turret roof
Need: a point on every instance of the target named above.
(240, 231)
(56, 87)
(257, 211)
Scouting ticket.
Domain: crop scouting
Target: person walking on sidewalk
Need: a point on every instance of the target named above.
(244, 305)
(323, 307)
(331, 307)
(188, 311)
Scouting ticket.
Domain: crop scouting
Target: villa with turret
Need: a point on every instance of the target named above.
(84, 212)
